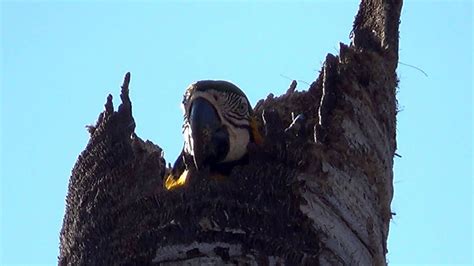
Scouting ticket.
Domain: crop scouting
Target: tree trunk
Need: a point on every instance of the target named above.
(318, 192)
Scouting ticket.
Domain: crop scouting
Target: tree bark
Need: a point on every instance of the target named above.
(317, 192)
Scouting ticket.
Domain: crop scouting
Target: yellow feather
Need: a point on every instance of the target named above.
(172, 183)
(257, 137)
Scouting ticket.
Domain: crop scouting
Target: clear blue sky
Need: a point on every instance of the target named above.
(60, 60)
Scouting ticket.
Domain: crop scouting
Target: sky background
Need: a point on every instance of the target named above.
(60, 60)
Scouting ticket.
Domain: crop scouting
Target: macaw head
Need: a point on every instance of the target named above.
(217, 124)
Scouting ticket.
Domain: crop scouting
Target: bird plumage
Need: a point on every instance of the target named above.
(217, 128)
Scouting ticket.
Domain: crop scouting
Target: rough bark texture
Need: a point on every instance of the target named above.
(317, 192)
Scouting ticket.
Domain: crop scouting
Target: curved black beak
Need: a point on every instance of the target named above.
(210, 138)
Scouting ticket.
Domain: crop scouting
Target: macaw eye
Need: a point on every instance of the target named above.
(242, 108)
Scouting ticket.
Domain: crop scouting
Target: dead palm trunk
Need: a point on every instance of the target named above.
(317, 193)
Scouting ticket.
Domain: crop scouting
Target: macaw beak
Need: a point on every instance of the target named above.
(210, 138)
